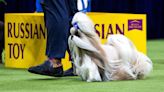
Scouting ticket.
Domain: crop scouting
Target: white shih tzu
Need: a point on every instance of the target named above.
(118, 59)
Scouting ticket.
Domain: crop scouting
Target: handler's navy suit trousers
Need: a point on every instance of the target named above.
(57, 20)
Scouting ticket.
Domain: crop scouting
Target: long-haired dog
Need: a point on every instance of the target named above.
(118, 59)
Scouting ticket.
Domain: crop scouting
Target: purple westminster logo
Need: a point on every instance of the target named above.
(134, 24)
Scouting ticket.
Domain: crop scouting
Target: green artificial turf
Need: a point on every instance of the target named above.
(16, 80)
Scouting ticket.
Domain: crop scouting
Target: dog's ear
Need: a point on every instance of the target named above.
(82, 44)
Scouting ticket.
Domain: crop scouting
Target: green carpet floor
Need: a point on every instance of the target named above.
(16, 80)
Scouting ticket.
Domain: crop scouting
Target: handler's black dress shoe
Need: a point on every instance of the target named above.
(47, 69)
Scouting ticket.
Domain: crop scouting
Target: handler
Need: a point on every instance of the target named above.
(57, 14)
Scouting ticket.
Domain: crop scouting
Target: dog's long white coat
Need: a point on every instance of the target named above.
(124, 61)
